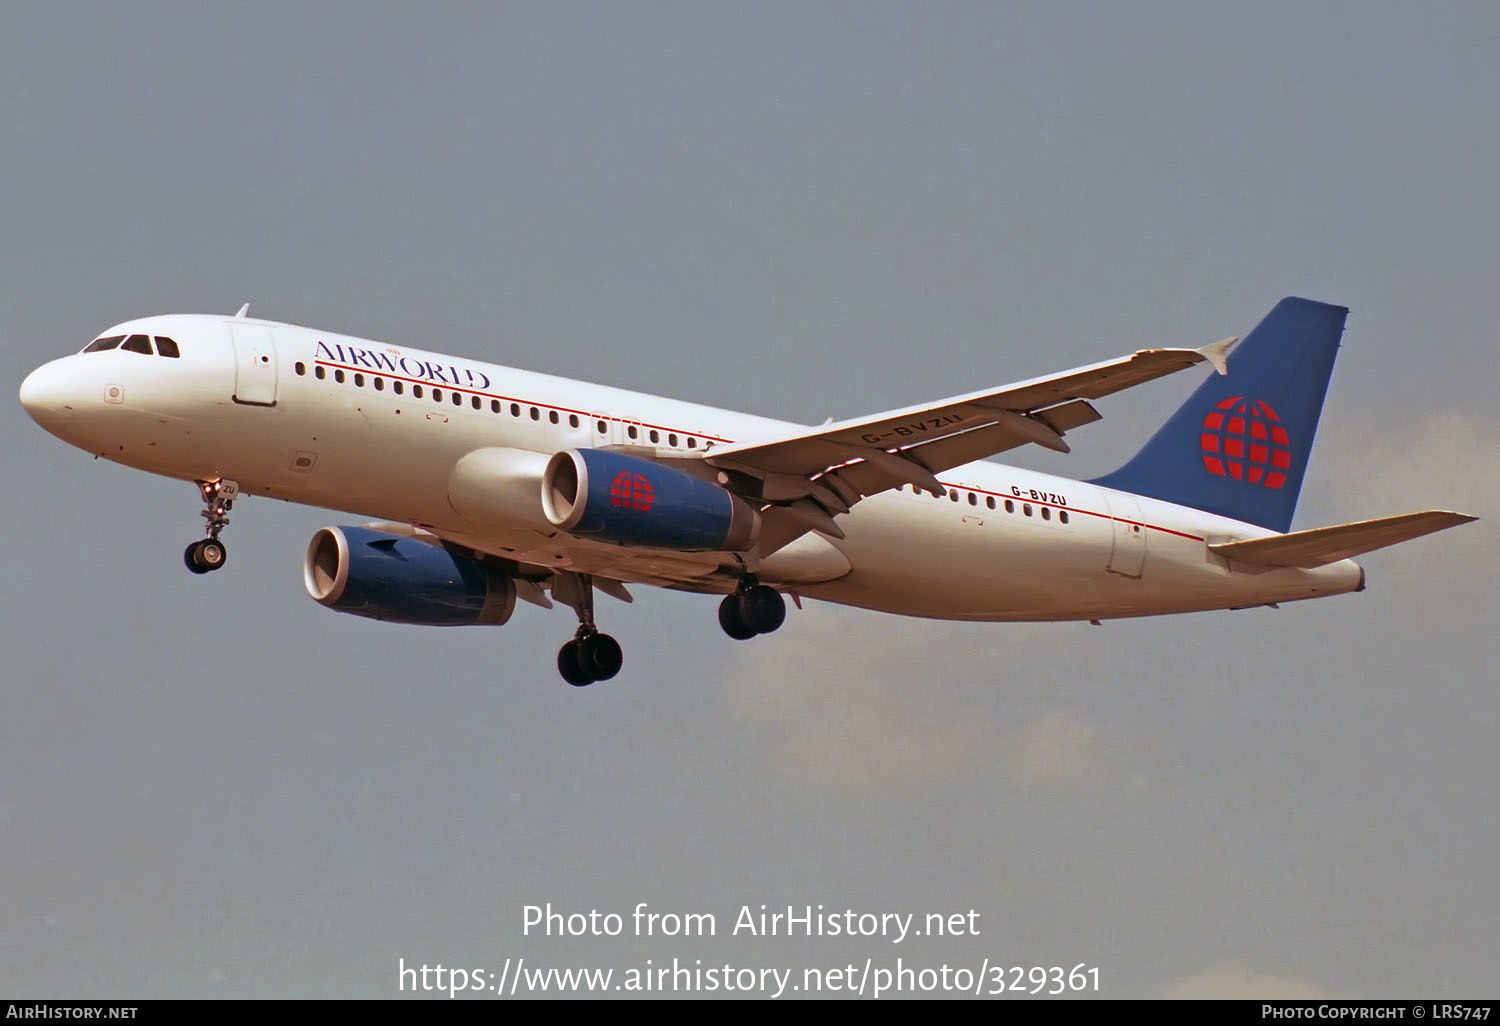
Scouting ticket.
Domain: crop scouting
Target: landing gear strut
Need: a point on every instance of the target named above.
(752, 609)
(590, 656)
(208, 553)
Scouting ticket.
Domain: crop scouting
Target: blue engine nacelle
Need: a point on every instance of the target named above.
(404, 580)
(594, 493)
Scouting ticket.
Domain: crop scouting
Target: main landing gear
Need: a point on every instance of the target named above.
(591, 656)
(208, 554)
(752, 609)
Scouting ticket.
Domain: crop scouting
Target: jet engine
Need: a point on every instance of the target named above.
(627, 500)
(404, 580)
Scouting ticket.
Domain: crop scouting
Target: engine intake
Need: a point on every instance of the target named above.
(633, 501)
(403, 580)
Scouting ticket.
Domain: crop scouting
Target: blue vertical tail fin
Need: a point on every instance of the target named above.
(1239, 446)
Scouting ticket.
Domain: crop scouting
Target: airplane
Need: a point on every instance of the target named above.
(492, 485)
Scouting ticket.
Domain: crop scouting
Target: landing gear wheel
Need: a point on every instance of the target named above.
(763, 609)
(754, 609)
(568, 666)
(205, 555)
(732, 621)
(589, 658)
(600, 654)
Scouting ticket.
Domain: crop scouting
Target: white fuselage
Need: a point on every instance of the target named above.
(332, 421)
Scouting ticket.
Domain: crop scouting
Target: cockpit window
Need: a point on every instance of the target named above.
(166, 347)
(101, 344)
(137, 344)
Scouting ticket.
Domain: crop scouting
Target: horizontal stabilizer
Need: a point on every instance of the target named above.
(1307, 549)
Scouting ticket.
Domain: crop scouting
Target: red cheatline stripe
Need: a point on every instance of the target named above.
(583, 415)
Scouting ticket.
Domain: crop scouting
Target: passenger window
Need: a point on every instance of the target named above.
(572, 420)
(1026, 509)
(632, 432)
(692, 442)
(494, 405)
(536, 414)
(359, 381)
(458, 400)
(137, 344)
(603, 428)
(338, 376)
(319, 373)
(416, 391)
(300, 368)
(973, 499)
(1046, 513)
(99, 345)
(437, 395)
(1062, 515)
(552, 416)
(1010, 507)
(989, 500)
(654, 436)
(953, 495)
(672, 440)
(167, 347)
(398, 387)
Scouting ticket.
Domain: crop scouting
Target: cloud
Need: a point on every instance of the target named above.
(1447, 459)
(1056, 750)
(1239, 983)
(855, 705)
(1443, 460)
(901, 707)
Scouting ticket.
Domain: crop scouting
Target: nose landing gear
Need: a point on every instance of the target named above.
(208, 554)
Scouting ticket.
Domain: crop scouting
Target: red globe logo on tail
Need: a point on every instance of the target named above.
(631, 491)
(1243, 439)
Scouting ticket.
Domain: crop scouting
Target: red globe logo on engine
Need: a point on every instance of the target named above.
(1243, 439)
(631, 491)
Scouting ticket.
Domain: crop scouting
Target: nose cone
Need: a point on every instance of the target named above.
(47, 393)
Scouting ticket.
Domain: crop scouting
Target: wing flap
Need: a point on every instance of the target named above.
(1322, 545)
(868, 477)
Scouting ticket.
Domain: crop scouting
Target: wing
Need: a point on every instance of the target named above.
(817, 474)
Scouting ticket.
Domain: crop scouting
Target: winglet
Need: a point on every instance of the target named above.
(243, 311)
(1217, 354)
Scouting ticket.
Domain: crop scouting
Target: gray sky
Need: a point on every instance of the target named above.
(213, 786)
